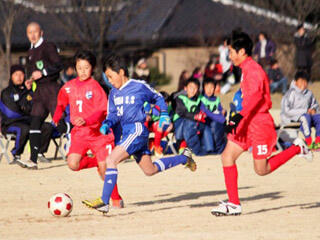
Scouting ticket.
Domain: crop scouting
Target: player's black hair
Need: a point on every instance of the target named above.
(273, 61)
(165, 95)
(116, 62)
(302, 75)
(193, 80)
(207, 80)
(85, 55)
(239, 40)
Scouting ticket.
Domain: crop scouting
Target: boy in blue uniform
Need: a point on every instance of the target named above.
(126, 102)
(215, 119)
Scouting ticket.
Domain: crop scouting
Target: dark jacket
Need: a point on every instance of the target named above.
(182, 107)
(275, 74)
(270, 49)
(16, 104)
(304, 51)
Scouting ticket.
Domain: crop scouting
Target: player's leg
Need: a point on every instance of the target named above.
(157, 139)
(316, 123)
(305, 127)
(229, 157)
(46, 135)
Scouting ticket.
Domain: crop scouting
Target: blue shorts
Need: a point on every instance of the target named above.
(135, 137)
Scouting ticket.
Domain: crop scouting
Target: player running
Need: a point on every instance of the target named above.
(88, 107)
(252, 127)
(126, 101)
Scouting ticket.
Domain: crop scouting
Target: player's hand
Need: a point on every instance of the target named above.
(200, 117)
(79, 121)
(233, 123)
(311, 111)
(28, 83)
(104, 129)
(36, 75)
(164, 119)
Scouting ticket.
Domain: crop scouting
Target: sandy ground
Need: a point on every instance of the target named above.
(172, 205)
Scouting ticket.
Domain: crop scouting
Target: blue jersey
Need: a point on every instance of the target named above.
(126, 103)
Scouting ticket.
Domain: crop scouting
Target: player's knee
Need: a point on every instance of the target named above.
(73, 165)
(149, 173)
(260, 171)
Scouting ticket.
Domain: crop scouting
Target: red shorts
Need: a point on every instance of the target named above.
(257, 132)
(83, 139)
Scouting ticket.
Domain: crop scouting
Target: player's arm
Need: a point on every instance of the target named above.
(62, 102)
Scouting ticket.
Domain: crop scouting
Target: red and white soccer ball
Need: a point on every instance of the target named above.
(60, 205)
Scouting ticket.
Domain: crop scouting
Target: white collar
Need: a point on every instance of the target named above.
(38, 43)
(125, 84)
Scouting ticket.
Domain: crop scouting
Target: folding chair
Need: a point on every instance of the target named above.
(4, 143)
(287, 132)
(59, 148)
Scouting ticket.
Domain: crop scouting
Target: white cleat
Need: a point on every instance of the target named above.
(226, 209)
(305, 152)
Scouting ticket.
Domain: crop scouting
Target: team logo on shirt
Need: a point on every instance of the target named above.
(67, 89)
(89, 94)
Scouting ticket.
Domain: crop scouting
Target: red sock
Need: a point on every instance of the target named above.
(281, 158)
(317, 139)
(115, 194)
(231, 180)
(183, 144)
(308, 140)
(87, 162)
(157, 138)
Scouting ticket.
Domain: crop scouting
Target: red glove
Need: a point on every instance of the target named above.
(200, 117)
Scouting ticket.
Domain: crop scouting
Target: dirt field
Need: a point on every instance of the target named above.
(172, 205)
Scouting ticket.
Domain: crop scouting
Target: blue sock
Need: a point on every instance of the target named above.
(110, 181)
(169, 162)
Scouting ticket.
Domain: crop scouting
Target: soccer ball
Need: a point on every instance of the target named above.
(60, 205)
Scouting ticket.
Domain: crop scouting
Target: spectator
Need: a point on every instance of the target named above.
(215, 119)
(68, 73)
(303, 51)
(192, 118)
(264, 50)
(299, 105)
(182, 80)
(152, 123)
(16, 105)
(276, 77)
(197, 73)
(142, 71)
(44, 66)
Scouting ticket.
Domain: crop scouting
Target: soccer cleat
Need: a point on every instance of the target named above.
(42, 158)
(158, 151)
(191, 164)
(226, 209)
(316, 146)
(15, 159)
(117, 204)
(97, 204)
(27, 164)
(305, 152)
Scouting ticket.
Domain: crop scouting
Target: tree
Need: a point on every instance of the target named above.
(8, 12)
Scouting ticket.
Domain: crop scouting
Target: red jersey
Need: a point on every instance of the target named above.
(87, 100)
(255, 88)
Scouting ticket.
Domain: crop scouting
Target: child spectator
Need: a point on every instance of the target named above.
(276, 77)
(215, 119)
(88, 107)
(299, 105)
(16, 105)
(182, 80)
(192, 118)
(142, 71)
(153, 125)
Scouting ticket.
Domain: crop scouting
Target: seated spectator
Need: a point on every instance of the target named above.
(299, 105)
(264, 50)
(191, 119)
(142, 71)
(215, 119)
(276, 77)
(152, 123)
(68, 73)
(197, 73)
(16, 105)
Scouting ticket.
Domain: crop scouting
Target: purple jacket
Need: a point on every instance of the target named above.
(270, 49)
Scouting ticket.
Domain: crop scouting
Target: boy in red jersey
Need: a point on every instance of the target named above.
(252, 127)
(88, 108)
